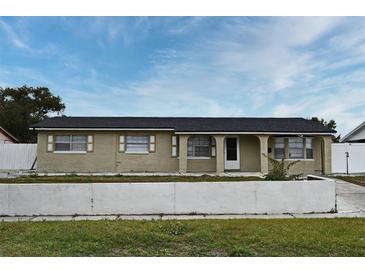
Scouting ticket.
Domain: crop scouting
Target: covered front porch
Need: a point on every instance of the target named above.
(248, 153)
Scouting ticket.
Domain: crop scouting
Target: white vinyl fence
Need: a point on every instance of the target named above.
(17, 156)
(348, 158)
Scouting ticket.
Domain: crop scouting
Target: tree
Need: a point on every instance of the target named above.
(331, 124)
(24, 106)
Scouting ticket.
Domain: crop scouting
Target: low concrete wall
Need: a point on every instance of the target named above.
(168, 198)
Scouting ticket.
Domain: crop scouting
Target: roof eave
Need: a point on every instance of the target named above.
(99, 129)
(182, 132)
(9, 135)
(254, 132)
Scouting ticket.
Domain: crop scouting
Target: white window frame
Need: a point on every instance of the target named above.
(128, 142)
(71, 143)
(193, 148)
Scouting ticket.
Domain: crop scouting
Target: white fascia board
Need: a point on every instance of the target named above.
(258, 133)
(182, 132)
(105, 129)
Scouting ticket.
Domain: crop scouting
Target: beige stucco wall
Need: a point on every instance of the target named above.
(327, 154)
(158, 161)
(102, 159)
(249, 153)
(105, 157)
(202, 165)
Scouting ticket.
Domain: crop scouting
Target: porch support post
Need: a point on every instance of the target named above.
(264, 153)
(219, 140)
(327, 147)
(183, 153)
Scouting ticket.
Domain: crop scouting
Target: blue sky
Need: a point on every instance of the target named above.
(192, 66)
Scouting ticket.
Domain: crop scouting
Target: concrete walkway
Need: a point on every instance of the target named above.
(350, 197)
(350, 204)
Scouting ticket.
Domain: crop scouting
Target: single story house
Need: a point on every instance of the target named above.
(6, 137)
(181, 144)
(357, 135)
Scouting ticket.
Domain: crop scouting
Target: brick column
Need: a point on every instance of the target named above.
(183, 153)
(219, 140)
(264, 153)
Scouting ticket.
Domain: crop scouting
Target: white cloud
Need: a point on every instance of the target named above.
(247, 61)
(185, 24)
(250, 69)
(19, 36)
(282, 66)
(337, 105)
(301, 31)
(26, 76)
(13, 36)
(109, 30)
(272, 51)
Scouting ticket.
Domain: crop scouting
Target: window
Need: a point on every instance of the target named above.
(309, 147)
(198, 146)
(174, 146)
(71, 143)
(296, 148)
(279, 150)
(137, 144)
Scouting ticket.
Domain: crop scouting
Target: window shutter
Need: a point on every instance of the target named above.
(212, 147)
(121, 143)
(174, 146)
(152, 143)
(50, 143)
(90, 143)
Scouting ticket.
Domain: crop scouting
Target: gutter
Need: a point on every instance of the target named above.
(105, 129)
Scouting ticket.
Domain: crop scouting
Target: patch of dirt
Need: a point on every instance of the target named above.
(120, 251)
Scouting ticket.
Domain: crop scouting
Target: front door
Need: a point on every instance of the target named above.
(232, 153)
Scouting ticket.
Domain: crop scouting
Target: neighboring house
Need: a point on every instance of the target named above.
(357, 135)
(171, 144)
(6, 137)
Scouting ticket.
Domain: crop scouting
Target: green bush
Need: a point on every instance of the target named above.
(280, 172)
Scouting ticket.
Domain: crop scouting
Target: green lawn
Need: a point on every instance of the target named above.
(285, 237)
(358, 180)
(121, 179)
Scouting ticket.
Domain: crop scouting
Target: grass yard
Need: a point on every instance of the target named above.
(358, 180)
(121, 179)
(285, 237)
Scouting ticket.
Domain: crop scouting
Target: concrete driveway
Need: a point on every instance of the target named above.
(350, 197)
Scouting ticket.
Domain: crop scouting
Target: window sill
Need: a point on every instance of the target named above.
(69, 152)
(132, 152)
(298, 160)
(198, 158)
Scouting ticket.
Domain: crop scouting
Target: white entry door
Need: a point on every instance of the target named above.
(232, 153)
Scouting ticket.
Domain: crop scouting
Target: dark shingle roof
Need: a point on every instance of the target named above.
(189, 124)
